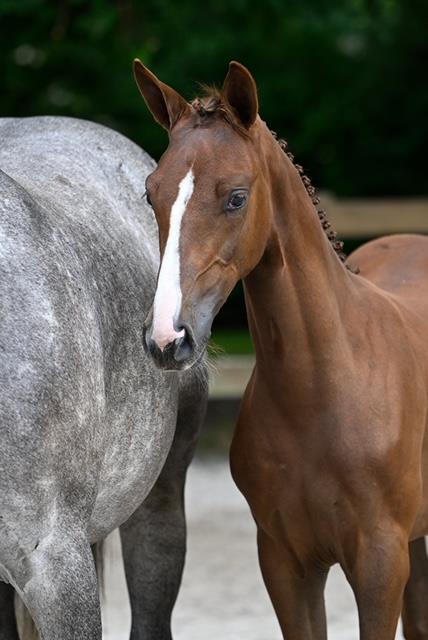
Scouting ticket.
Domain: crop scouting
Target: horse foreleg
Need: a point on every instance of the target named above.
(154, 538)
(379, 572)
(297, 597)
(8, 630)
(58, 584)
(415, 605)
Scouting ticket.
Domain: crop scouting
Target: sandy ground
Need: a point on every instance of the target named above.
(222, 594)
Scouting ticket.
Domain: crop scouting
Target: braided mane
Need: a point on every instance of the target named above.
(322, 215)
(212, 105)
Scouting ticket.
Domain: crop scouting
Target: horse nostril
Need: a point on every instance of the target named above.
(184, 346)
(175, 354)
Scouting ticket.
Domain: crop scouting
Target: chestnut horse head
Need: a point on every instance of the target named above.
(214, 193)
(211, 202)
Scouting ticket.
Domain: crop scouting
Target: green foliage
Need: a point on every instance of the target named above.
(231, 341)
(345, 81)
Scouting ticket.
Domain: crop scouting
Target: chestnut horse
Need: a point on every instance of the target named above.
(330, 447)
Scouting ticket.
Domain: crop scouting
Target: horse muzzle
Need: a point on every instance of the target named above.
(180, 353)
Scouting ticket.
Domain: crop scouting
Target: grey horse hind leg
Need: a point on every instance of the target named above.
(154, 538)
(61, 591)
(8, 630)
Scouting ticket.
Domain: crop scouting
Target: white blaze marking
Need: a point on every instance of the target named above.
(167, 302)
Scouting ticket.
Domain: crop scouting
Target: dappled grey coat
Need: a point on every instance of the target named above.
(86, 421)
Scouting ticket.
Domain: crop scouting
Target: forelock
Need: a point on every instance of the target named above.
(212, 106)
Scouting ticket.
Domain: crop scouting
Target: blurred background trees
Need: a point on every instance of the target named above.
(344, 81)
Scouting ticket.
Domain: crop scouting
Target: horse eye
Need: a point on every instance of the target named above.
(237, 199)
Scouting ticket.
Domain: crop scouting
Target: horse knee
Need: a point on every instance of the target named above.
(61, 591)
(378, 577)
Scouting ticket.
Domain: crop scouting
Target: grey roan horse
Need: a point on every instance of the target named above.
(87, 423)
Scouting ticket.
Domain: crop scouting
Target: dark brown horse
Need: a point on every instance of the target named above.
(330, 447)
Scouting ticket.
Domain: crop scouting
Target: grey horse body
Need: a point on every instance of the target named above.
(86, 421)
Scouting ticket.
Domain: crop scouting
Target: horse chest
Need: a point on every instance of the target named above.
(293, 486)
(295, 505)
(272, 473)
(312, 484)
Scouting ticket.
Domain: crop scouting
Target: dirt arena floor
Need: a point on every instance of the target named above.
(222, 594)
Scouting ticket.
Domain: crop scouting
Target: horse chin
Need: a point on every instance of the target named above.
(195, 360)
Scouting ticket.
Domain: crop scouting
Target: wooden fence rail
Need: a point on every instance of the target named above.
(353, 218)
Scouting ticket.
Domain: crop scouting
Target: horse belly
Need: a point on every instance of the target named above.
(136, 450)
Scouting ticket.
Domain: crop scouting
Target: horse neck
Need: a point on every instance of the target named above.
(297, 293)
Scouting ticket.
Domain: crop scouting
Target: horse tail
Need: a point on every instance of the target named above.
(26, 628)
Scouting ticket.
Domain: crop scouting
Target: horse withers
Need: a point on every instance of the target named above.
(93, 436)
(330, 448)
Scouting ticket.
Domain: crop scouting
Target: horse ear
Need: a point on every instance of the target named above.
(166, 105)
(239, 89)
